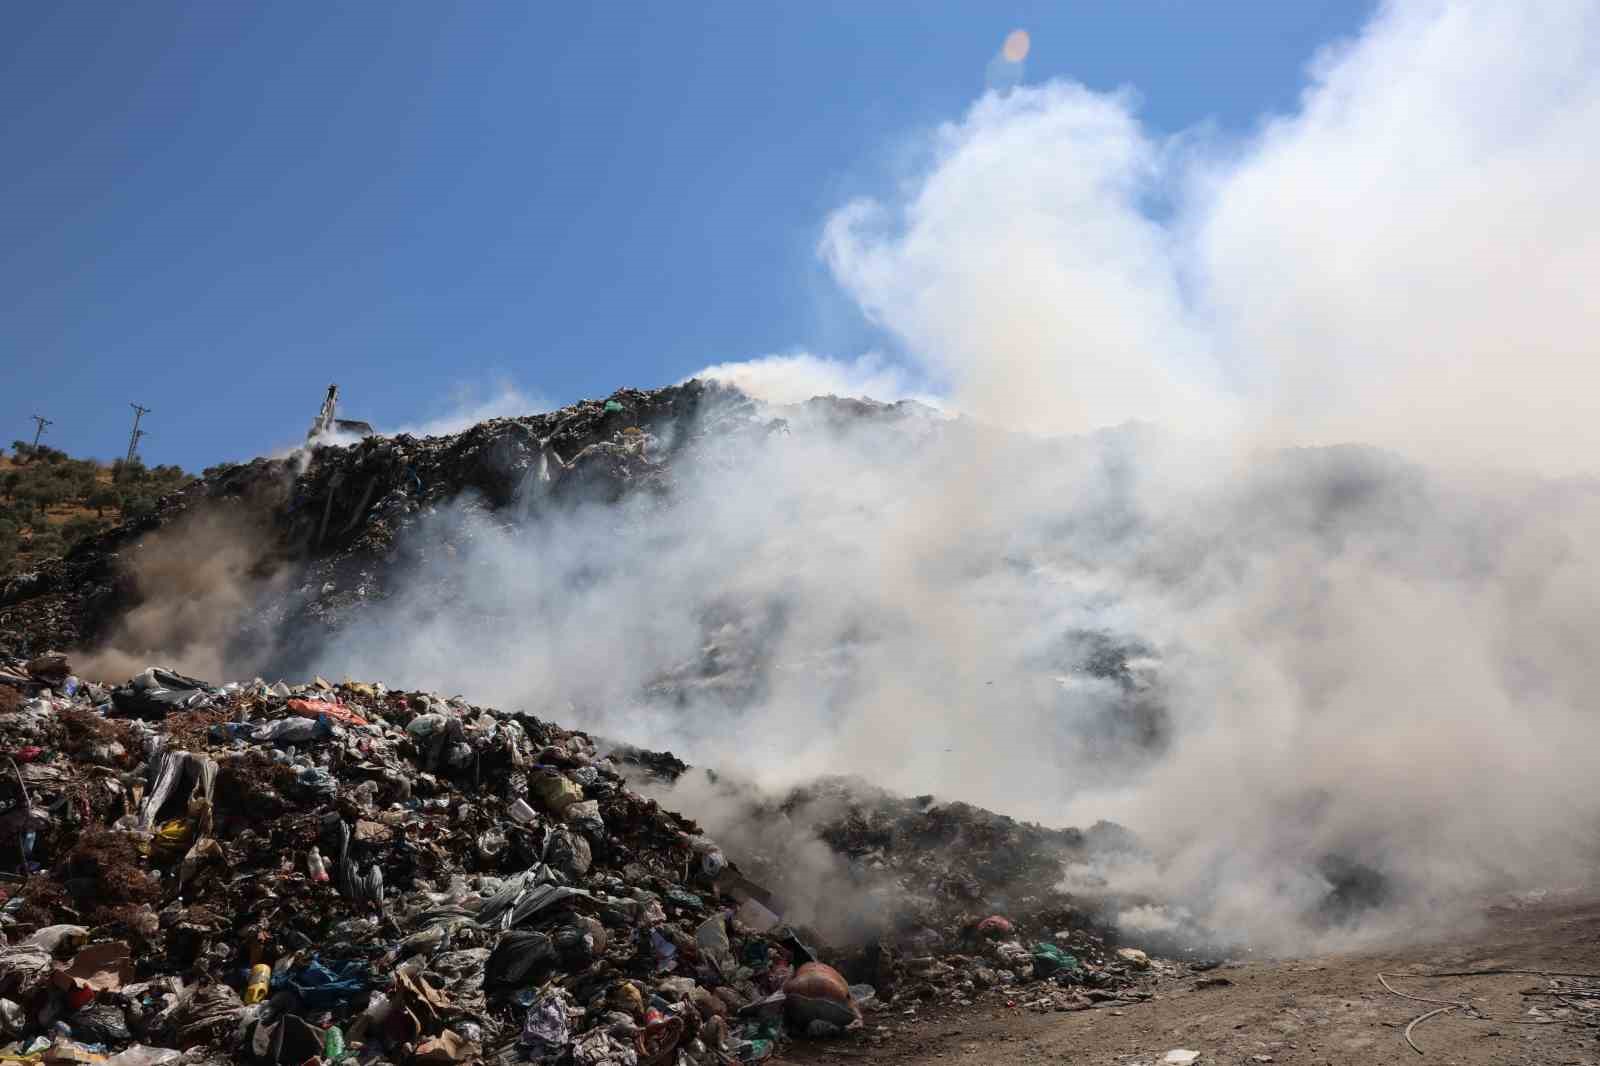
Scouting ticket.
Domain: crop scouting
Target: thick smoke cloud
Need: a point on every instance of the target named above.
(1023, 268)
(1400, 261)
(1339, 658)
(1364, 660)
(1365, 657)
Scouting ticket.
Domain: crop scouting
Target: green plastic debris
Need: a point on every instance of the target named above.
(756, 1041)
(1049, 959)
(333, 1044)
(612, 406)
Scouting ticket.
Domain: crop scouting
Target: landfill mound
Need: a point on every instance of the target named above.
(330, 522)
(277, 874)
(335, 508)
(910, 890)
(586, 532)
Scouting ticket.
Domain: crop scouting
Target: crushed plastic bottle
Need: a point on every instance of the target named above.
(260, 982)
(333, 1044)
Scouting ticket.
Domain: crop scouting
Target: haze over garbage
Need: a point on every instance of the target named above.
(1302, 416)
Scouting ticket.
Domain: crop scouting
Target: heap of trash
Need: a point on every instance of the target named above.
(335, 518)
(929, 901)
(326, 549)
(325, 872)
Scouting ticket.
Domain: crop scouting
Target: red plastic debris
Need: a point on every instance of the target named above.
(317, 709)
(817, 992)
(661, 1035)
(995, 926)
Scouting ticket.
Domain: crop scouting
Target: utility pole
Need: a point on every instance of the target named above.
(40, 431)
(133, 438)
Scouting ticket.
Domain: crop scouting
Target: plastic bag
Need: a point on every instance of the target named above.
(544, 1032)
(171, 840)
(321, 986)
(556, 791)
(294, 730)
(1049, 959)
(144, 1055)
(712, 939)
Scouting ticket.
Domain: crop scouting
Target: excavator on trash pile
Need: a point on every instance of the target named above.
(327, 422)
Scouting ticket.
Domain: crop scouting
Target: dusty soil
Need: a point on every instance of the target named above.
(1329, 1009)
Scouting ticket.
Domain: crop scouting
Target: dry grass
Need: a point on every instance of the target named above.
(189, 730)
(113, 860)
(85, 729)
(45, 901)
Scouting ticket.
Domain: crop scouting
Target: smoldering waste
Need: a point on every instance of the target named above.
(281, 874)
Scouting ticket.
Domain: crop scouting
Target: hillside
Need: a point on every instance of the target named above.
(50, 502)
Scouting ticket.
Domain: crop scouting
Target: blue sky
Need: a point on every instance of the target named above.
(217, 209)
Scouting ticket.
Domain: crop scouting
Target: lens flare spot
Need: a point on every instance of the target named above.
(1016, 47)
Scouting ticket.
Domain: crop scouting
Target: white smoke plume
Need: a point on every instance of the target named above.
(471, 403)
(1401, 261)
(797, 377)
(1376, 655)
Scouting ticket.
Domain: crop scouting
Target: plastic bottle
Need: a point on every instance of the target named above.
(319, 872)
(255, 990)
(333, 1044)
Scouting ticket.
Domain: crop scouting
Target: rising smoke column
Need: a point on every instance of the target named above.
(1376, 650)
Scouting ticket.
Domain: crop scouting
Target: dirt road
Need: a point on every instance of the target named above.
(1309, 1011)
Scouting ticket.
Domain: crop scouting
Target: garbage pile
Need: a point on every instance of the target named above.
(940, 902)
(331, 512)
(331, 522)
(330, 872)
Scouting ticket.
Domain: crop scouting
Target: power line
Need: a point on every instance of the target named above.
(40, 431)
(133, 438)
